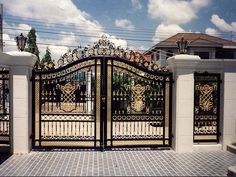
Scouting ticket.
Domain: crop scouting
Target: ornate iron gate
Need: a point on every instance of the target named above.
(206, 107)
(64, 105)
(4, 108)
(102, 97)
(140, 106)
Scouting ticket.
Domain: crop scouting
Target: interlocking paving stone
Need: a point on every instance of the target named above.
(119, 163)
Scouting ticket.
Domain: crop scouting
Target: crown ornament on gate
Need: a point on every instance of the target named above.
(105, 48)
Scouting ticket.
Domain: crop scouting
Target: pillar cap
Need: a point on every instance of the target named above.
(16, 58)
(184, 57)
(18, 53)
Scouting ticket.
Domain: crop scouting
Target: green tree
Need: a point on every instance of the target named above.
(32, 46)
(47, 62)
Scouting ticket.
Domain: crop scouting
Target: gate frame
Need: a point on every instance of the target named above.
(5, 76)
(219, 81)
(159, 73)
(103, 123)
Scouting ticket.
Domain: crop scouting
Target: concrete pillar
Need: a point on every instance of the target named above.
(229, 114)
(21, 100)
(183, 67)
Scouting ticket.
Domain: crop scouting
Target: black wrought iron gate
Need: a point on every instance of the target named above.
(206, 107)
(102, 97)
(4, 108)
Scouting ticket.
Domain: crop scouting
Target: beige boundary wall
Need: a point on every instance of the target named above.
(183, 68)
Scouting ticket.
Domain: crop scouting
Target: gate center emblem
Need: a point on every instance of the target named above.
(68, 96)
(138, 101)
(206, 97)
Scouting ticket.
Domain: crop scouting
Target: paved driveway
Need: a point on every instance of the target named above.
(119, 163)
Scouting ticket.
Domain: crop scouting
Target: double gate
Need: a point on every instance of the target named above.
(102, 97)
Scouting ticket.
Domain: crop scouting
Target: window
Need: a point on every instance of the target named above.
(224, 54)
(169, 53)
(202, 55)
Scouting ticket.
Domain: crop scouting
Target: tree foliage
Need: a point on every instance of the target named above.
(32, 46)
(47, 62)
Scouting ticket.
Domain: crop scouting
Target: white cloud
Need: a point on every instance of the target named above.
(125, 24)
(222, 24)
(57, 47)
(52, 12)
(200, 3)
(56, 51)
(9, 43)
(118, 42)
(175, 11)
(212, 32)
(136, 4)
(16, 29)
(164, 31)
(138, 48)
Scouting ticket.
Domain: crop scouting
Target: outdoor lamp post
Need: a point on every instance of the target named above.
(21, 41)
(182, 45)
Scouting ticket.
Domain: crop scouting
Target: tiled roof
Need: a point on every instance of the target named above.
(194, 39)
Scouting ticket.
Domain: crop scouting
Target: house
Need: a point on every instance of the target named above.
(204, 45)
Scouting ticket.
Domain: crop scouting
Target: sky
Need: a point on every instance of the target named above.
(134, 24)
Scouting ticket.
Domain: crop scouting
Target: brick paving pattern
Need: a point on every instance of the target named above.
(119, 163)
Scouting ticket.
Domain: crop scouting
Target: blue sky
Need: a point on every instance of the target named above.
(136, 24)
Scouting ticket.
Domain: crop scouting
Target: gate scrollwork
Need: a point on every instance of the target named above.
(68, 97)
(206, 107)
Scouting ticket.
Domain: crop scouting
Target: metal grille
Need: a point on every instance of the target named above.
(4, 108)
(65, 106)
(101, 97)
(140, 106)
(206, 107)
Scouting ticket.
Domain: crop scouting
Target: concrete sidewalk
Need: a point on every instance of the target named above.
(119, 163)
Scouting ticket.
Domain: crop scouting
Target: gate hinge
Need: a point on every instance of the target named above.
(172, 136)
(31, 136)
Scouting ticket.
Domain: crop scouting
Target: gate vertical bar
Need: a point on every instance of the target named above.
(33, 108)
(40, 110)
(170, 109)
(218, 108)
(103, 103)
(98, 101)
(36, 109)
(109, 92)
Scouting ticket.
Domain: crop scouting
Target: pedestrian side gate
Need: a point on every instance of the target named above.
(206, 107)
(4, 108)
(102, 97)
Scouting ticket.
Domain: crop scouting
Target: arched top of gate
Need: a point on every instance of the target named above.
(105, 48)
